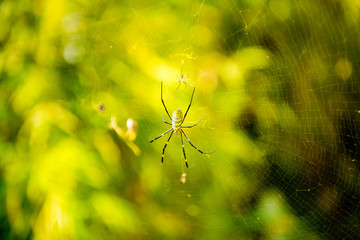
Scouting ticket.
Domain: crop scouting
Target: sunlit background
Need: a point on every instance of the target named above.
(276, 86)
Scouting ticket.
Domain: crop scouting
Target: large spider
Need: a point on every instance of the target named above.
(177, 120)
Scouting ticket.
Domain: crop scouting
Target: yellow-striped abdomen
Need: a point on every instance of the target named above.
(177, 117)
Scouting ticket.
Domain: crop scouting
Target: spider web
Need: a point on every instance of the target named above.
(276, 88)
(288, 89)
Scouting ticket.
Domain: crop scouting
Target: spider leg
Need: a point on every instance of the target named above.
(194, 146)
(179, 83)
(164, 119)
(184, 83)
(182, 142)
(189, 105)
(191, 125)
(161, 135)
(163, 101)
(162, 156)
(178, 86)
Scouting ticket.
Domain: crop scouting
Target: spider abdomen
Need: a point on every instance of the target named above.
(176, 120)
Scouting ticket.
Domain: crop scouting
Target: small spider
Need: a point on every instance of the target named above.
(177, 128)
(181, 78)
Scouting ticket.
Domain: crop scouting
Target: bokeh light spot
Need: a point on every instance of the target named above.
(343, 68)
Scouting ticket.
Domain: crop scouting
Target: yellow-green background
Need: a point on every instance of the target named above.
(277, 89)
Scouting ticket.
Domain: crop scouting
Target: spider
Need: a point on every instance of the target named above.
(181, 78)
(177, 120)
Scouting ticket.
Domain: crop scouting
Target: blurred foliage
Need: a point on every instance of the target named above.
(276, 87)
